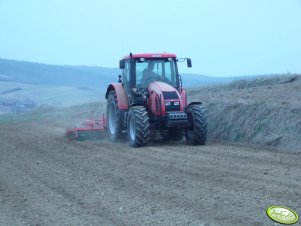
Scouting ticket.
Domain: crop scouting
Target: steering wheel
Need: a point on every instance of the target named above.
(145, 82)
(165, 80)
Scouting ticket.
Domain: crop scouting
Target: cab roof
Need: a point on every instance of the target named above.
(151, 55)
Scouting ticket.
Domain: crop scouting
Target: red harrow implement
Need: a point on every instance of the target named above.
(89, 129)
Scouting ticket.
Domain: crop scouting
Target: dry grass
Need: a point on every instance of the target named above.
(264, 111)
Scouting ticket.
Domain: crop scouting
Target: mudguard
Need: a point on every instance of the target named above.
(193, 103)
(122, 100)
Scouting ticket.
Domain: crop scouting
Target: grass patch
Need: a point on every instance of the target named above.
(263, 111)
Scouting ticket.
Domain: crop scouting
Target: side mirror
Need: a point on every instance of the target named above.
(189, 64)
(122, 64)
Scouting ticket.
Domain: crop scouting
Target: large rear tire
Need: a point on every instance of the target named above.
(115, 123)
(138, 126)
(196, 134)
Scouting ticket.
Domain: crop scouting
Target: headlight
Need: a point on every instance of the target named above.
(167, 103)
(177, 103)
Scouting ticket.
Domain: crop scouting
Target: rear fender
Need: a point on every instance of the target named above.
(122, 100)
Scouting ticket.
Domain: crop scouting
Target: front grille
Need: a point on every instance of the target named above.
(170, 95)
(172, 107)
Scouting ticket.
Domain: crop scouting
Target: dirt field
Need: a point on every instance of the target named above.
(46, 180)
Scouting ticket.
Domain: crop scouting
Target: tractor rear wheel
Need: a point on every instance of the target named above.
(138, 126)
(115, 122)
(196, 133)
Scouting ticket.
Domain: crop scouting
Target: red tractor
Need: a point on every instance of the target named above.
(149, 98)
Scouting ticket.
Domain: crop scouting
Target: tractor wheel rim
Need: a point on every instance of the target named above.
(132, 128)
(112, 118)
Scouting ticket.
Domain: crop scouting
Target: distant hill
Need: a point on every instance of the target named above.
(99, 77)
(27, 85)
(195, 80)
(43, 74)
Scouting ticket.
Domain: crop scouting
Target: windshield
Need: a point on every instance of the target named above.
(149, 70)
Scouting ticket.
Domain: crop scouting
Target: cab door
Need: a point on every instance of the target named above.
(126, 75)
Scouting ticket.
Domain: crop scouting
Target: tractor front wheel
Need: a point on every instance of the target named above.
(138, 126)
(196, 133)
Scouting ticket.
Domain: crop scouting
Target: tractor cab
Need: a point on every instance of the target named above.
(149, 70)
(139, 70)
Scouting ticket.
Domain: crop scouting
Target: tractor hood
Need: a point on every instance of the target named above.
(163, 98)
(160, 87)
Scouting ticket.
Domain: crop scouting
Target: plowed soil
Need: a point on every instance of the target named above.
(47, 180)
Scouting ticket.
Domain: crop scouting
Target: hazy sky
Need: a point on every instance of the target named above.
(223, 37)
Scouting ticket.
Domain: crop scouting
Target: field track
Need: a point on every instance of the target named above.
(47, 180)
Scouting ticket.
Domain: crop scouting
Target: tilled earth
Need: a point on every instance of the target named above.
(47, 180)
